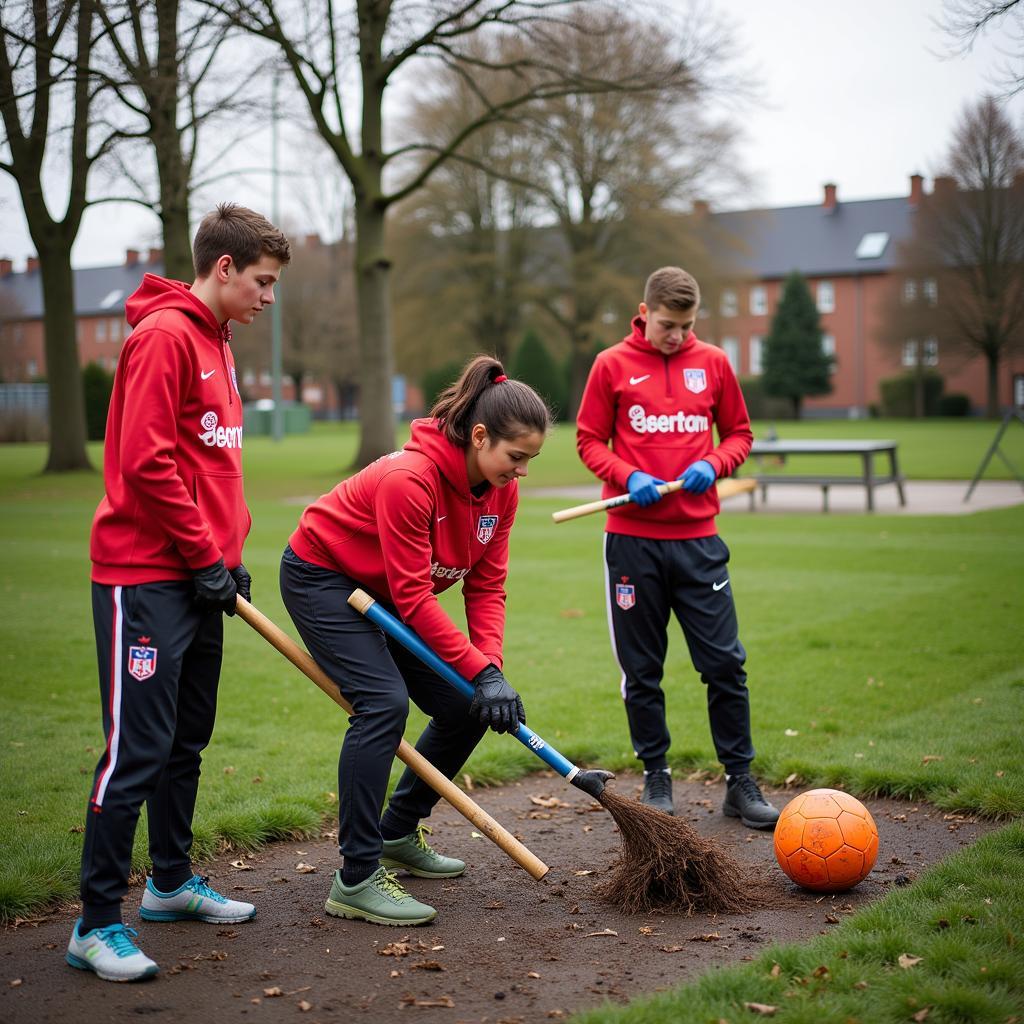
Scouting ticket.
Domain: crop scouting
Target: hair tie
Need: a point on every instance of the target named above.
(500, 379)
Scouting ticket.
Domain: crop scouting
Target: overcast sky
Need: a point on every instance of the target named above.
(852, 93)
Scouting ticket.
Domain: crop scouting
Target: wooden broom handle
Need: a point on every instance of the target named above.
(726, 489)
(470, 810)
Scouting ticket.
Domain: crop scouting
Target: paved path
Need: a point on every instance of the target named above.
(924, 498)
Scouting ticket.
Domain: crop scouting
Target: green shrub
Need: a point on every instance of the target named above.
(898, 394)
(435, 381)
(954, 404)
(97, 384)
(762, 406)
(533, 365)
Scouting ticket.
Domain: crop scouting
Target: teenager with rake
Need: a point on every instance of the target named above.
(405, 529)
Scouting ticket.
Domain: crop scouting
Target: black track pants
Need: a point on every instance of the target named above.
(159, 666)
(377, 676)
(647, 580)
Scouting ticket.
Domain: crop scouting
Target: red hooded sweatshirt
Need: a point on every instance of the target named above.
(172, 459)
(657, 411)
(408, 527)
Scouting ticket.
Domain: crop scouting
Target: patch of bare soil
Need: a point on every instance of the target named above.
(503, 947)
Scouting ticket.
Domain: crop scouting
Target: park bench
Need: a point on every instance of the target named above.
(869, 479)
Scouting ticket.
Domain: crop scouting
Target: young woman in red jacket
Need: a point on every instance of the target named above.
(406, 528)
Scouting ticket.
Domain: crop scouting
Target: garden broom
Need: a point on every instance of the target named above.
(664, 866)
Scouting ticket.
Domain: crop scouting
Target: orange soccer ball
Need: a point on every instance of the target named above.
(826, 840)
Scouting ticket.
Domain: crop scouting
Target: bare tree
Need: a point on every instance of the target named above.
(964, 21)
(966, 256)
(46, 49)
(160, 58)
(387, 40)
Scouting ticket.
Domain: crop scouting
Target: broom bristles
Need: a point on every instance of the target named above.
(666, 866)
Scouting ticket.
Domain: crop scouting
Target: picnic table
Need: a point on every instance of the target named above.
(869, 478)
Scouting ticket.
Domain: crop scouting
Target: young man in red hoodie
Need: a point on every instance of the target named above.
(166, 550)
(646, 416)
(406, 528)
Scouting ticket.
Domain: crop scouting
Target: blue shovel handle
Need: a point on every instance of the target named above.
(367, 606)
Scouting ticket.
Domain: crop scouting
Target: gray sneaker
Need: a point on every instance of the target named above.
(744, 800)
(414, 854)
(658, 790)
(380, 899)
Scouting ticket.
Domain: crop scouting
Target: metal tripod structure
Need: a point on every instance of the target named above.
(1017, 413)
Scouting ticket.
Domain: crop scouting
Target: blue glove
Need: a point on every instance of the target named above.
(643, 488)
(698, 477)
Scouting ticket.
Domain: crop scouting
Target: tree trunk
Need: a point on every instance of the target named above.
(172, 167)
(63, 372)
(992, 365)
(919, 409)
(376, 360)
(797, 402)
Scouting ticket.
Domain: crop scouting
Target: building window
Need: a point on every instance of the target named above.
(754, 355)
(872, 245)
(929, 353)
(909, 291)
(703, 312)
(930, 288)
(730, 303)
(79, 331)
(248, 378)
(101, 330)
(731, 347)
(828, 348)
(31, 368)
(758, 300)
(265, 379)
(826, 297)
(115, 329)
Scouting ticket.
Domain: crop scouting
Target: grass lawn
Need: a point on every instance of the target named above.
(884, 656)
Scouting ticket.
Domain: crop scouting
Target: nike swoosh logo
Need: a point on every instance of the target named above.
(718, 586)
(639, 380)
(439, 518)
(206, 374)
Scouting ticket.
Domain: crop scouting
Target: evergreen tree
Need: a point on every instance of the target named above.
(794, 364)
(533, 365)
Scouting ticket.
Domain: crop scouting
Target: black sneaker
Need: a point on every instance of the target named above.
(658, 790)
(744, 800)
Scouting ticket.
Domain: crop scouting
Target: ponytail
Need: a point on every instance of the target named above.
(484, 394)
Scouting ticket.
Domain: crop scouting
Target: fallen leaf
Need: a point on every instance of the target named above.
(580, 874)
(707, 937)
(607, 931)
(820, 972)
(646, 930)
(831, 919)
(776, 970)
(496, 905)
(15, 982)
(928, 758)
(467, 780)
(411, 1000)
(860, 985)
(671, 949)
(532, 974)
(791, 778)
(475, 835)
(921, 1014)
(305, 869)
(427, 965)
(257, 779)
(762, 1008)
(908, 960)
(240, 865)
(395, 974)
(77, 828)
(547, 801)
(792, 732)
(229, 770)
(1000, 774)
(272, 993)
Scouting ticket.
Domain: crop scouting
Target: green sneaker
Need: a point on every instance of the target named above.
(413, 853)
(381, 899)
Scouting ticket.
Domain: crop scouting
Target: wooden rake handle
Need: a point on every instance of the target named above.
(475, 814)
(726, 489)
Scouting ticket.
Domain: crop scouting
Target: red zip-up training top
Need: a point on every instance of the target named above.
(657, 412)
(407, 528)
(172, 459)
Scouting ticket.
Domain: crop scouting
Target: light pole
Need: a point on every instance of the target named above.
(277, 415)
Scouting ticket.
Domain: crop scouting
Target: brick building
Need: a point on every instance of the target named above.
(849, 254)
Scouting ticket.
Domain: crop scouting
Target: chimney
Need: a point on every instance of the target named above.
(916, 190)
(31, 264)
(156, 256)
(830, 197)
(701, 208)
(6, 267)
(943, 186)
(131, 257)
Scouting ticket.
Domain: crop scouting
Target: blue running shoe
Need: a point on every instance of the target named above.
(110, 953)
(193, 901)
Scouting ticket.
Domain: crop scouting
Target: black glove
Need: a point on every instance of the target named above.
(495, 703)
(215, 589)
(243, 581)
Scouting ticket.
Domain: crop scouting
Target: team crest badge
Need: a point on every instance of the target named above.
(695, 381)
(141, 660)
(485, 528)
(625, 594)
(234, 382)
